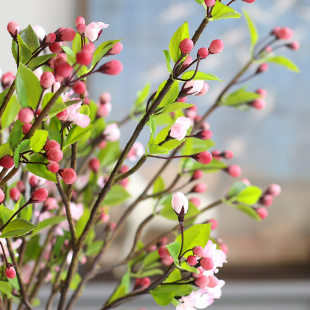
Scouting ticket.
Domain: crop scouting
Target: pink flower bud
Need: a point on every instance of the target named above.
(163, 252)
(210, 3)
(204, 157)
(186, 62)
(51, 144)
(105, 97)
(228, 154)
(266, 200)
(284, 33)
(55, 47)
(116, 49)
(79, 20)
(63, 115)
(262, 68)
(203, 52)
(25, 115)
(234, 171)
(81, 28)
(54, 155)
(104, 109)
(163, 241)
(248, 1)
(21, 186)
(194, 87)
(204, 135)
(198, 275)
(186, 46)
(262, 213)
(274, 190)
(192, 260)
(216, 46)
(90, 47)
(258, 103)
(224, 248)
(213, 281)
(67, 34)
(47, 79)
(68, 175)
(246, 181)
(13, 28)
(204, 89)
(79, 87)
(112, 132)
(2, 196)
(7, 79)
(50, 203)
(112, 226)
(50, 38)
(104, 217)
(84, 57)
(179, 202)
(195, 201)
(262, 92)
(179, 129)
(198, 251)
(199, 188)
(167, 261)
(145, 283)
(10, 272)
(294, 46)
(14, 194)
(34, 181)
(63, 69)
(94, 164)
(197, 174)
(52, 166)
(7, 161)
(113, 67)
(202, 282)
(214, 223)
(216, 154)
(39, 195)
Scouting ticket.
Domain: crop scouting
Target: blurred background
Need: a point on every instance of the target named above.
(271, 145)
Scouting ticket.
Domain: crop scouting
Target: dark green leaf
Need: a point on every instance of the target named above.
(15, 135)
(116, 196)
(283, 61)
(181, 34)
(30, 38)
(221, 11)
(200, 76)
(38, 140)
(16, 228)
(28, 87)
(168, 59)
(48, 222)
(39, 61)
(10, 112)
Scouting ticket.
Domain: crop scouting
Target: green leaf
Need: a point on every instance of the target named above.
(252, 29)
(175, 106)
(24, 51)
(123, 288)
(40, 170)
(157, 150)
(39, 61)
(195, 146)
(28, 87)
(283, 61)
(15, 135)
(239, 96)
(109, 154)
(76, 43)
(10, 112)
(168, 59)
(159, 185)
(142, 95)
(102, 50)
(33, 249)
(57, 107)
(249, 195)
(236, 188)
(70, 55)
(116, 196)
(148, 273)
(187, 267)
(94, 248)
(152, 125)
(175, 275)
(5, 214)
(48, 222)
(197, 235)
(200, 1)
(174, 250)
(30, 38)
(38, 140)
(161, 136)
(77, 133)
(6, 288)
(5, 149)
(221, 11)
(169, 213)
(150, 258)
(17, 228)
(81, 223)
(249, 211)
(200, 76)
(181, 34)
(170, 96)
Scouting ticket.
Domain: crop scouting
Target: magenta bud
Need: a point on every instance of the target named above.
(113, 67)
(186, 46)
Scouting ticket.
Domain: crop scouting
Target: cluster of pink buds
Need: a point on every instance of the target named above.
(225, 154)
(142, 283)
(104, 107)
(259, 103)
(266, 200)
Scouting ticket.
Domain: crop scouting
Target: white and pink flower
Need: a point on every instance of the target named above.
(179, 129)
(93, 30)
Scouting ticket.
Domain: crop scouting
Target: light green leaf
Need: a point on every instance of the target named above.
(283, 61)
(57, 107)
(150, 259)
(123, 288)
(70, 55)
(94, 248)
(174, 250)
(38, 140)
(197, 235)
(175, 106)
(159, 185)
(10, 112)
(252, 30)
(157, 150)
(170, 96)
(236, 188)
(172, 144)
(174, 276)
(249, 195)
(77, 133)
(181, 34)
(168, 59)
(142, 95)
(116, 196)
(16, 228)
(169, 213)
(200, 1)
(6, 288)
(239, 96)
(5, 214)
(81, 223)
(187, 267)
(48, 222)
(221, 11)
(28, 87)
(5, 149)
(200, 76)
(39, 61)
(161, 136)
(30, 38)
(249, 211)
(109, 154)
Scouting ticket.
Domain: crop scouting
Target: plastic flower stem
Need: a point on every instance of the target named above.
(19, 276)
(7, 98)
(74, 148)
(182, 235)
(3, 173)
(228, 4)
(1, 303)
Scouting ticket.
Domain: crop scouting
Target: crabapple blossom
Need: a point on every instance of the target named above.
(84, 57)
(192, 260)
(68, 175)
(167, 261)
(13, 28)
(116, 49)
(216, 46)
(218, 256)
(47, 79)
(194, 87)
(197, 174)
(274, 189)
(93, 30)
(94, 164)
(186, 62)
(67, 34)
(186, 46)
(179, 202)
(204, 134)
(214, 223)
(79, 20)
(14, 193)
(196, 299)
(213, 281)
(262, 212)
(294, 46)
(104, 109)
(198, 251)
(262, 92)
(112, 67)
(179, 129)
(39, 195)
(214, 292)
(77, 210)
(258, 103)
(71, 114)
(21, 186)
(7, 161)
(50, 203)
(204, 89)
(7, 79)
(112, 132)
(50, 38)
(10, 272)
(136, 151)
(234, 171)
(262, 68)
(202, 282)
(1, 196)
(204, 157)
(25, 115)
(207, 263)
(224, 247)
(248, 1)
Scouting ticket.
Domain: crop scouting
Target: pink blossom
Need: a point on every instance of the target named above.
(195, 300)
(40, 32)
(218, 257)
(72, 114)
(104, 109)
(77, 210)
(136, 151)
(93, 30)
(178, 201)
(215, 292)
(112, 132)
(179, 129)
(81, 181)
(197, 86)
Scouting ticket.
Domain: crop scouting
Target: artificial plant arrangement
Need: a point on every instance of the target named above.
(63, 167)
